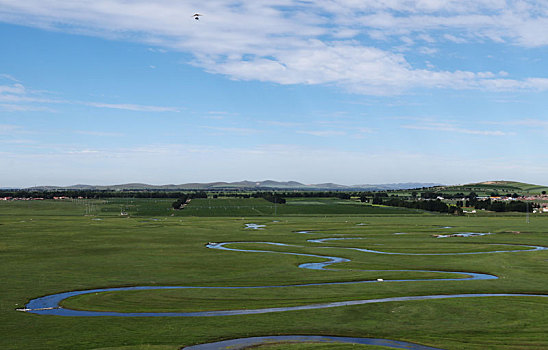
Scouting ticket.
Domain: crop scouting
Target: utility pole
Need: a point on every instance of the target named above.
(527, 216)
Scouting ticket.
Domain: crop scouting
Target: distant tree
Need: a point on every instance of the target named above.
(497, 206)
(364, 198)
(429, 195)
(343, 195)
(271, 197)
(517, 206)
(377, 200)
(456, 210)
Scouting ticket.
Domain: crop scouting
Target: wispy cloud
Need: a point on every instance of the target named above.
(24, 108)
(9, 128)
(84, 151)
(16, 97)
(526, 122)
(454, 128)
(18, 142)
(9, 77)
(365, 130)
(219, 115)
(130, 107)
(156, 50)
(530, 122)
(100, 133)
(234, 130)
(322, 133)
(282, 123)
(15, 89)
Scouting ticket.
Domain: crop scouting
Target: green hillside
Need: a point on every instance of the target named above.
(488, 187)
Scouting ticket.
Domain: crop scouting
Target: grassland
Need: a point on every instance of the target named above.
(294, 206)
(52, 246)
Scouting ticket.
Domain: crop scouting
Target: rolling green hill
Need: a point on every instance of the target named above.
(488, 187)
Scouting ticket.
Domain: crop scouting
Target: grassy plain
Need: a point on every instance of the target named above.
(294, 206)
(49, 247)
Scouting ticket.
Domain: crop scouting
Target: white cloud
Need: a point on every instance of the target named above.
(427, 50)
(130, 107)
(156, 50)
(359, 69)
(322, 133)
(84, 151)
(16, 97)
(9, 107)
(296, 42)
(9, 128)
(537, 124)
(234, 130)
(99, 133)
(14, 89)
(283, 124)
(454, 39)
(9, 77)
(455, 129)
(18, 142)
(365, 130)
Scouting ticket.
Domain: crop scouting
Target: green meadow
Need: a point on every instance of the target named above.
(294, 206)
(48, 247)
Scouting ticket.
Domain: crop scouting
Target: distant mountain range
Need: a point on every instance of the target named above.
(244, 185)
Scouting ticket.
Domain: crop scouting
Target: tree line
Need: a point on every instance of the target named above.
(429, 205)
(270, 196)
(182, 200)
(500, 206)
(89, 194)
(442, 207)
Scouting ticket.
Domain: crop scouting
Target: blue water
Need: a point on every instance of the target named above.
(244, 343)
(49, 305)
(322, 240)
(532, 248)
(255, 226)
(465, 234)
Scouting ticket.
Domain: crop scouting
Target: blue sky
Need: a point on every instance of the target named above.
(351, 92)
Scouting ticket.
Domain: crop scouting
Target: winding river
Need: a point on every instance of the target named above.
(49, 305)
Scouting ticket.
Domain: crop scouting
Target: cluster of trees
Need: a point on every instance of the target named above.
(270, 196)
(232, 194)
(317, 194)
(500, 206)
(439, 206)
(178, 204)
(430, 205)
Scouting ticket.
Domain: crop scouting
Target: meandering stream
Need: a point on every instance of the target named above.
(49, 305)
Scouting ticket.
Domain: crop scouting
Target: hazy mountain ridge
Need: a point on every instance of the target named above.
(267, 184)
